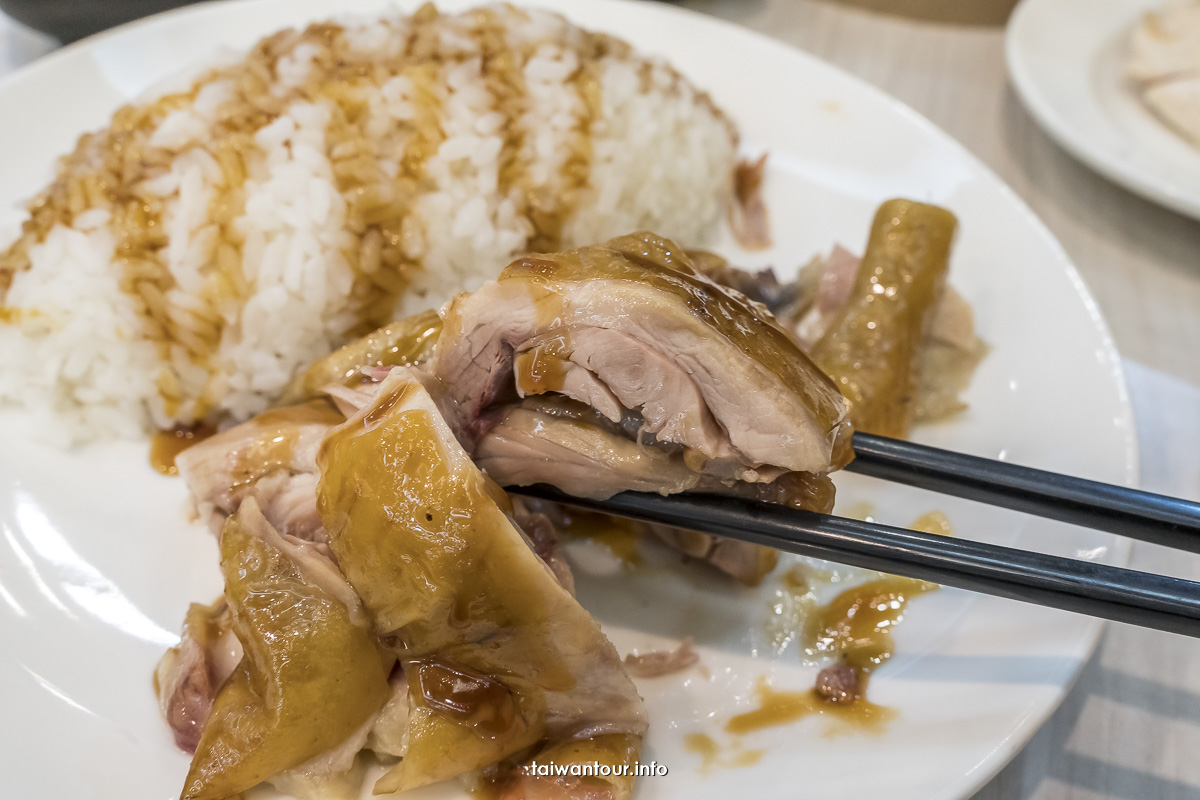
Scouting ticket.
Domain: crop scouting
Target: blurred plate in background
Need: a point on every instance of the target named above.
(1066, 59)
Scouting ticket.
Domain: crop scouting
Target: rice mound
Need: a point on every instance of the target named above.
(189, 259)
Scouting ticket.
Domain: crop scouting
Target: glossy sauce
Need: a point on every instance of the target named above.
(853, 633)
(783, 707)
(167, 445)
(464, 695)
(543, 368)
(276, 432)
(856, 627)
(714, 756)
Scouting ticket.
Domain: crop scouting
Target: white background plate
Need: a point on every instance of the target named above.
(98, 562)
(1067, 62)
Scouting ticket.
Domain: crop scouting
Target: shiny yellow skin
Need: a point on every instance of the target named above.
(399, 343)
(871, 349)
(425, 539)
(663, 265)
(310, 676)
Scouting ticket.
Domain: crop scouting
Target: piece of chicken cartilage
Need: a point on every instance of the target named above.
(871, 349)
(498, 655)
(312, 675)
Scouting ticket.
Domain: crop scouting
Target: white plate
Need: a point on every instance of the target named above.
(98, 562)
(1066, 60)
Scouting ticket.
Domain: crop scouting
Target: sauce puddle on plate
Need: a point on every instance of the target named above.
(855, 628)
(166, 446)
(851, 635)
(853, 631)
(714, 756)
(777, 707)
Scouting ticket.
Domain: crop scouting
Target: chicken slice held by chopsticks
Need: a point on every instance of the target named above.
(498, 655)
(632, 321)
(620, 367)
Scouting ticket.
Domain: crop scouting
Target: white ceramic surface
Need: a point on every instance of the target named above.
(98, 561)
(1066, 60)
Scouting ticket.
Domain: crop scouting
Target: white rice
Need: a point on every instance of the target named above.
(651, 152)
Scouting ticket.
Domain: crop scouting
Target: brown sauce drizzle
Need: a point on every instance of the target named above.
(856, 626)
(505, 82)
(543, 368)
(166, 446)
(111, 168)
(464, 695)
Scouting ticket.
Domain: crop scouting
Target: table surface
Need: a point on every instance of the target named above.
(1130, 728)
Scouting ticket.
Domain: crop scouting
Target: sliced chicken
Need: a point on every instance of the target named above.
(402, 343)
(312, 677)
(622, 367)
(569, 445)
(497, 653)
(680, 338)
(190, 674)
(271, 458)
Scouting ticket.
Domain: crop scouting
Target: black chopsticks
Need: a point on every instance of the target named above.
(1148, 517)
(1099, 590)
